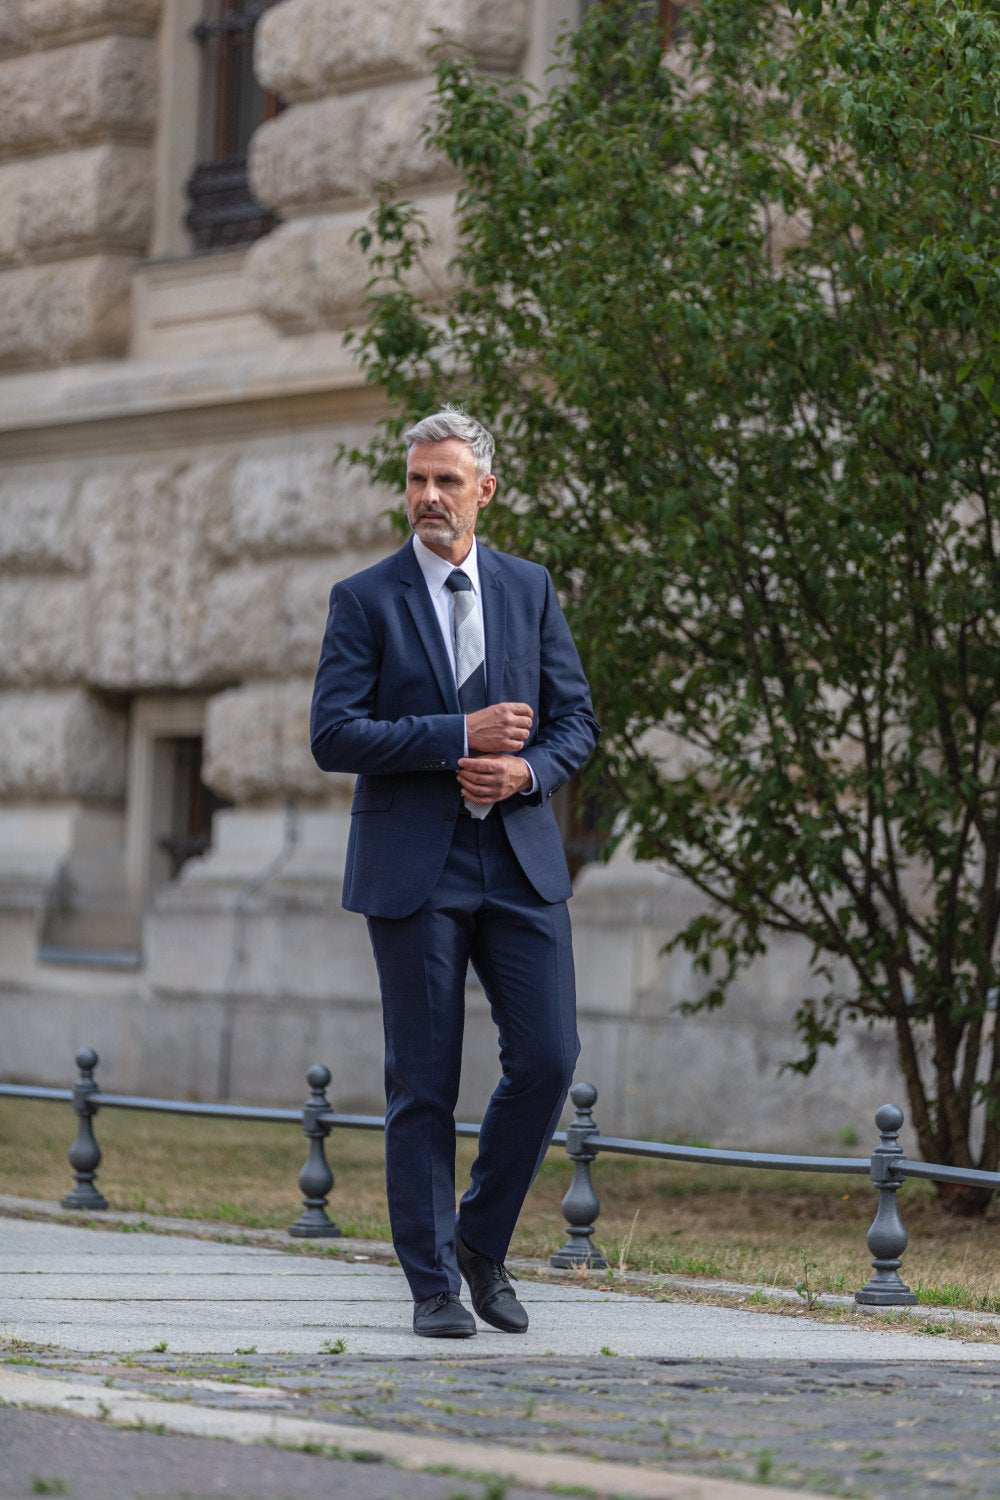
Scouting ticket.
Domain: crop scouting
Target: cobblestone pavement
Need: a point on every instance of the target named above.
(896, 1431)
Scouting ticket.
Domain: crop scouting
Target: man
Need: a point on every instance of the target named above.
(449, 683)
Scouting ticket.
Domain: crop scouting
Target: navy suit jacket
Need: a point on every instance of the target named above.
(385, 707)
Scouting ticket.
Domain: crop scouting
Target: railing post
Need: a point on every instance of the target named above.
(315, 1179)
(85, 1153)
(581, 1205)
(887, 1237)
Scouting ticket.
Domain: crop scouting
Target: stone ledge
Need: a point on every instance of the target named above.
(192, 303)
(193, 395)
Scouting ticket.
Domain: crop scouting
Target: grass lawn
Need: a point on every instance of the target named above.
(762, 1228)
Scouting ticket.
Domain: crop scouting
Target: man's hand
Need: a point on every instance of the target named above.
(491, 778)
(499, 728)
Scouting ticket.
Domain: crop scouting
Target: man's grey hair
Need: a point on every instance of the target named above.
(453, 422)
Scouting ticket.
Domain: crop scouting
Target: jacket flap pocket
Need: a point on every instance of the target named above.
(372, 799)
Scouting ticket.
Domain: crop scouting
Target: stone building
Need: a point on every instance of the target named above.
(175, 277)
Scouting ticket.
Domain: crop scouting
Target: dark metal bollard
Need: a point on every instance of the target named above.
(887, 1237)
(85, 1153)
(581, 1205)
(315, 1179)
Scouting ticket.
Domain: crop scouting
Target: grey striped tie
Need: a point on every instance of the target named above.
(470, 656)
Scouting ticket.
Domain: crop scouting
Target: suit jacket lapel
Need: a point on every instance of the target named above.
(494, 623)
(422, 610)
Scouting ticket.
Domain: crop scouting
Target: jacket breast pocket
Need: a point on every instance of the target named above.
(372, 799)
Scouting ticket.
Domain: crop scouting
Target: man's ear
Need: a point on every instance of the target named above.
(487, 489)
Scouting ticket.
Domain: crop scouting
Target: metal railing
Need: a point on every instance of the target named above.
(887, 1166)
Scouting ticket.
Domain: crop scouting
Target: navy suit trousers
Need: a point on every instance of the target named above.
(482, 911)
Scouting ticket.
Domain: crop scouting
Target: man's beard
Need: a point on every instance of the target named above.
(443, 532)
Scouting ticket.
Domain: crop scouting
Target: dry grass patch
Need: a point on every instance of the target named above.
(759, 1228)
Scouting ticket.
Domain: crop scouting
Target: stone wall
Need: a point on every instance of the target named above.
(78, 81)
(172, 517)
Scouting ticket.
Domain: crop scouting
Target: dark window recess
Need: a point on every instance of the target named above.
(223, 210)
(666, 15)
(191, 806)
(669, 16)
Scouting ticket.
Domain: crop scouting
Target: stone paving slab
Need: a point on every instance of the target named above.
(138, 1290)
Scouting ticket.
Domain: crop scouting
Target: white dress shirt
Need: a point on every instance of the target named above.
(436, 571)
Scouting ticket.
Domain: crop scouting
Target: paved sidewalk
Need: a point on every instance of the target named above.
(99, 1290)
(168, 1343)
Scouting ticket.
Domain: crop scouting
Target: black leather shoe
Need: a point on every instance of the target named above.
(490, 1289)
(443, 1317)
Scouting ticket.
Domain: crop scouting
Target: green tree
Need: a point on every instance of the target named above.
(734, 313)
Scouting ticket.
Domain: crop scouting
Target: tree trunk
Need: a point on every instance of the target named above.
(964, 1202)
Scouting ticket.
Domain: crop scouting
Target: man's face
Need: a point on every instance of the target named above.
(444, 495)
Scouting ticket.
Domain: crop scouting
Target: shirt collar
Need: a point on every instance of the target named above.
(436, 570)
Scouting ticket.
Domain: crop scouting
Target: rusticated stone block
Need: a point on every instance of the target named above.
(300, 499)
(316, 159)
(97, 90)
(267, 620)
(244, 626)
(262, 621)
(100, 198)
(150, 572)
(204, 496)
(60, 744)
(281, 272)
(341, 147)
(257, 742)
(13, 32)
(152, 538)
(303, 47)
(307, 274)
(43, 627)
(64, 311)
(308, 600)
(44, 20)
(38, 531)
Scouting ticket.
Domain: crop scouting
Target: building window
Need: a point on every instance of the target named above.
(223, 210)
(667, 15)
(187, 804)
(170, 809)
